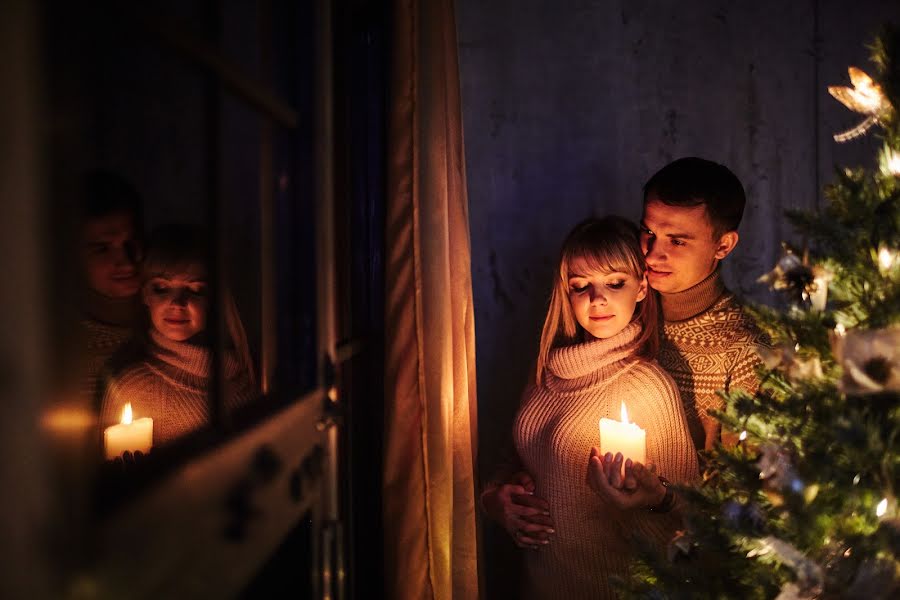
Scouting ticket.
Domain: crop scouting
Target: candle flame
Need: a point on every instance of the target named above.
(126, 414)
(624, 414)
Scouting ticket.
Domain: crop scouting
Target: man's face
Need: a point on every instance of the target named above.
(680, 245)
(110, 254)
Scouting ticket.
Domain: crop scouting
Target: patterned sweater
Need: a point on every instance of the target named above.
(709, 344)
(553, 434)
(170, 386)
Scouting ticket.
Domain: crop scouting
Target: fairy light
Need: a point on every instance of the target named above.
(893, 164)
(840, 329)
(886, 258)
(890, 161)
(743, 436)
(881, 508)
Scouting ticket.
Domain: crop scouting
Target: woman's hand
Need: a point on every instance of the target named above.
(639, 488)
(522, 514)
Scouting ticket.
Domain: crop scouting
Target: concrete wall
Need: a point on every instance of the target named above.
(570, 106)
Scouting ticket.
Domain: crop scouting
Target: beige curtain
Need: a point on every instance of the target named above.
(430, 414)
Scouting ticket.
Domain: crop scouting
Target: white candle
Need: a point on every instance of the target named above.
(128, 436)
(622, 436)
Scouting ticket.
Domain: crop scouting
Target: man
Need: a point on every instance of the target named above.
(692, 209)
(110, 251)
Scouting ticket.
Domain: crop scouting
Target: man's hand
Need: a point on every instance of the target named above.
(522, 514)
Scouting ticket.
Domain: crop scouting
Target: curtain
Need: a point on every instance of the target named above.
(430, 413)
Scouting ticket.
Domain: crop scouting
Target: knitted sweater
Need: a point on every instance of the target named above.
(709, 344)
(105, 326)
(170, 386)
(553, 434)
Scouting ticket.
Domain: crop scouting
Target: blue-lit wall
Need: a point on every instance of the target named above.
(570, 106)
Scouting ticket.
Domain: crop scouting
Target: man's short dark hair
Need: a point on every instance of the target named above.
(693, 181)
(106, 193)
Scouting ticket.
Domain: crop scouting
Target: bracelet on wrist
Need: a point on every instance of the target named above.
(668, 501)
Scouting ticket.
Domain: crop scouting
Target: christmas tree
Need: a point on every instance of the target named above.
(805, 505)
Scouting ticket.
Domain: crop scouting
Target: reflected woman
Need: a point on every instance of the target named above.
(168, 378)
(597, 347)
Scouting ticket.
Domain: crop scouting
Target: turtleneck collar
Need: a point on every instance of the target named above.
(190, 358)
(694, 300)
(120, 312)
(591, 358)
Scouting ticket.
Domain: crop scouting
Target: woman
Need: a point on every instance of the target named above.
(170, 378)
(596, 352)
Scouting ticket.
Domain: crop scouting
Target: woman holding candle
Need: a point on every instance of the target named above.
(596, 353)
(169, 379)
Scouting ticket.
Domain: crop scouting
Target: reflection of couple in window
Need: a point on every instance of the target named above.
(169, 381)
(577, 511)
(159, 301)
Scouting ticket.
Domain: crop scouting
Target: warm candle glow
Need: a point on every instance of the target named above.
(623, 436)
(126, 414)
(131, 435)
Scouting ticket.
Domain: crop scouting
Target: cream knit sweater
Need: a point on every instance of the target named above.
(170, 386)
(553, 434)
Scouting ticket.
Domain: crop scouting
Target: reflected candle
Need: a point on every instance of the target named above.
(622, 436)
(128, 436)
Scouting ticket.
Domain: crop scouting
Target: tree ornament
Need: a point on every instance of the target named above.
(679, 546)
(744, 515)
(870, 360)
(790, 274)
(776, 470)
(810, 580)
(786, 359)
(818, 289)
(866, 98)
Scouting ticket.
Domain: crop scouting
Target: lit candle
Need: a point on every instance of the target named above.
(128, 436)
(622, 436)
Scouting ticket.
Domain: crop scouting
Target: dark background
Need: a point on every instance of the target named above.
(569, 107)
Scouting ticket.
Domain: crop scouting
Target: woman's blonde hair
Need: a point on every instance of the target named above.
(608, 244)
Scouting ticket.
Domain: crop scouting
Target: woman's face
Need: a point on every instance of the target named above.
(177, 305)
(603, 302)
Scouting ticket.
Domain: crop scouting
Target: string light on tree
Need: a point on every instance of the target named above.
(889, 161)
(886, 258)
